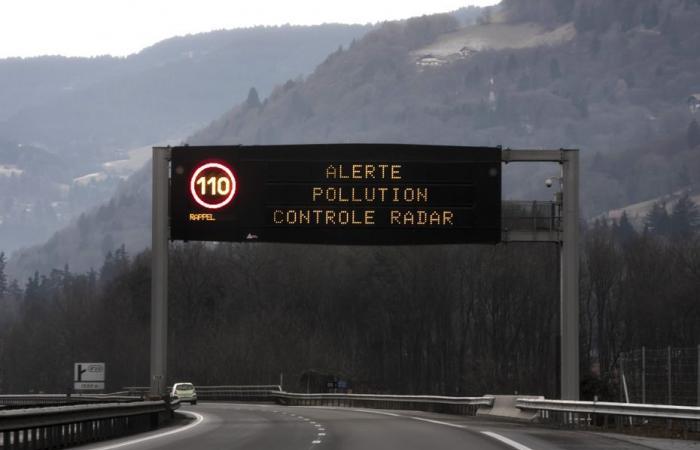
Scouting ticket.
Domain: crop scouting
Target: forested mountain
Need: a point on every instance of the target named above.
(611, 78)
(167, 90)
(99, 115)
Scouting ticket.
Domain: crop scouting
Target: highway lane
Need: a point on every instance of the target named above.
(272, 427)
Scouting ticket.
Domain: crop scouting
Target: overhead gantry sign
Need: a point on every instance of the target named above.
(365, 194)
(369, 194)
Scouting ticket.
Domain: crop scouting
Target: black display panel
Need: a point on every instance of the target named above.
(364, 194)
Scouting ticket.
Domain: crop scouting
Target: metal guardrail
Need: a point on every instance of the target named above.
(267, 387)
(477, 401)
(609, 408)
(61, 426)
(274, 393)
(64, 399)
(433, 403)
(254, 387)
(263, 392)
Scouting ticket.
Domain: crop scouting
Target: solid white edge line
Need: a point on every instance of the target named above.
(199, 419)
(505, 440)
(375, 412)
(438, 422)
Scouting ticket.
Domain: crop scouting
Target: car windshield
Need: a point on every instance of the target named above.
(184, 387)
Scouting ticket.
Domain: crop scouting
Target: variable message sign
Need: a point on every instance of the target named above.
(367, 194)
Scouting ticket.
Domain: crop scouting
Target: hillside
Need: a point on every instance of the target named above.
(612, 82)
(95, 114)
(167, 90)
(612, 79)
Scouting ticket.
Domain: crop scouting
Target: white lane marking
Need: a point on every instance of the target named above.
(317, 441)
(505, 440)
(447, 424)
(318, 425)
(376, 412)
(438, 422)
(199, 419)
(496, 436)
(321, 434)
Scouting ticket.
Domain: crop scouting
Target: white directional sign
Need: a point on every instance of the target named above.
(89, 376)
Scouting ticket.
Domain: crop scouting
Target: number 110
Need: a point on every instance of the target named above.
(216, 185)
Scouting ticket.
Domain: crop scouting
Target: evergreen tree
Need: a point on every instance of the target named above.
(657, 220)
(693, 134)
(253, 100)
(115, 263)
(685, 217)
(13, 290)
(624, 231)
(3, 277)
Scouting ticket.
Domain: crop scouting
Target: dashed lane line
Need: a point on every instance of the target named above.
(498, 437)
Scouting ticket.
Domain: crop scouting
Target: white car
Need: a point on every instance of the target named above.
(185, 392)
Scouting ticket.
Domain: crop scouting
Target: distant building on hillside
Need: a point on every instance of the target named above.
(430, 60)
(694, 103)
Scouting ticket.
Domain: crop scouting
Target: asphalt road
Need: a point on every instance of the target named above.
(272, 427)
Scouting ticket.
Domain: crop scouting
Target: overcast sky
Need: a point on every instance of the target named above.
(122, 27)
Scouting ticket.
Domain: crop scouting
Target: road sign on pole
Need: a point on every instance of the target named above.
(88, 376)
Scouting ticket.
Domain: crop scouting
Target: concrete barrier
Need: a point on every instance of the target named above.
(504, 406)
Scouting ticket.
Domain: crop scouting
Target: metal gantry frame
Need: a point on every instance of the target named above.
(160, 236)
(567, 237)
